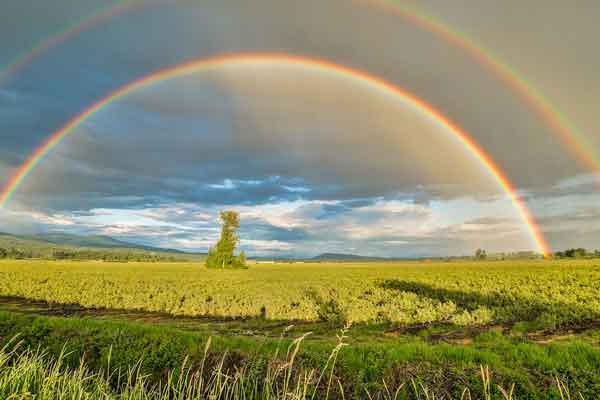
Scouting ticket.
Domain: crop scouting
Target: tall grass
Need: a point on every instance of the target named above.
(28, 374)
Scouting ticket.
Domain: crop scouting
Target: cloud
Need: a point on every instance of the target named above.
(296, 228)
(266, 149)
(297, 151)
(417, 60)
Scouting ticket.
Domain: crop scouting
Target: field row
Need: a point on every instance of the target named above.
(469, 293)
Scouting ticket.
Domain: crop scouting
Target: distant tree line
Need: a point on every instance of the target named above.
(577, 253)
(87, 255)
(482, 254)
(16, 254)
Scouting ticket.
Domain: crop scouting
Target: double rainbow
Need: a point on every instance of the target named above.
(537, 101)
(316, 65)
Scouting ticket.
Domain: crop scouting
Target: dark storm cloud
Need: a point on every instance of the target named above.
(182, 143)
(583, 185)
(26, 22)
(546, 44)
(113, 53)
(586, 219)
(191, 168)
(254, 231)
(579, 228)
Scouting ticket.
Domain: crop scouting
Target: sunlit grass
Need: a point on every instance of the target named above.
(35, 374)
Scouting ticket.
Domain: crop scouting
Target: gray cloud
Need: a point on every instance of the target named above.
(225, 26)
(281, 144)
(244, 137)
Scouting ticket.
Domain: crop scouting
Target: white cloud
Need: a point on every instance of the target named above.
(57, 219)
(305, 227)
(226, 185)
(266, 246)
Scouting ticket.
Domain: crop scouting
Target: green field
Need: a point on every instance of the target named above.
(469, 293)
(437, 323)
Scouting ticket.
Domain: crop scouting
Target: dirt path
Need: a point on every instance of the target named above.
(217, 325)
(258, 327)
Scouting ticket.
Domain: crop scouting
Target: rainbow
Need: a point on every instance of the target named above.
(286, 60)
(555, 120)
(558, 122)
(62, 36)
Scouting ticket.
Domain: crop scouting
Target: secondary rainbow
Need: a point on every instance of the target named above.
(281, 60)
(567, 131)
(65, 34)
(558, 122)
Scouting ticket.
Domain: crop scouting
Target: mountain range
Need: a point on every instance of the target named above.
(46, 243)
(346, 257)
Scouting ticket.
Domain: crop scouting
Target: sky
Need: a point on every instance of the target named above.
(313, 160)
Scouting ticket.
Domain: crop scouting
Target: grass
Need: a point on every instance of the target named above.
(442, 368)
(35, 374)
(426, 328)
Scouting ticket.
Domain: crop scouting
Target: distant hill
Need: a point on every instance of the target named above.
(346, 257)
(44, 245)
(97, 242)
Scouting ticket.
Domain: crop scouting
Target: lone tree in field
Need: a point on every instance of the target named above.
(480, 254)
(223, 254)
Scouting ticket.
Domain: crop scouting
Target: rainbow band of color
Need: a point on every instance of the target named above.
(280, 59)
(558, 122)
(86, 23)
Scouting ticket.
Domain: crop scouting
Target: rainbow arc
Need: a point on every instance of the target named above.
(557, 121)
(255, 60)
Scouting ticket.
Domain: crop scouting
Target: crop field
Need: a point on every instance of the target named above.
(422, 327)
(547, 293)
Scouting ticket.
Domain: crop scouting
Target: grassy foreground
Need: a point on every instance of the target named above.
(35, 374)
(532, 323)
(157, 353)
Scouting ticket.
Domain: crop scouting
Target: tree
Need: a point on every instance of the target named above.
(576, 253)
(559, 254)
(480, 254)
(242, 259)
(223, 254)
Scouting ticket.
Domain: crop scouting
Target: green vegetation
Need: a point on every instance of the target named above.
(577, 253)
(157, 354)
(35, 374)
(480, 254)
(223, 254)
(114, 256)
(427, 325)
(547, 294)
(79, 254)
(84, 248)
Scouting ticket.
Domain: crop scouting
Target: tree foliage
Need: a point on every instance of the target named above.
(480, 254)
(83, 254)
(576, 253)
(223, 254)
